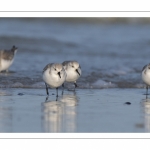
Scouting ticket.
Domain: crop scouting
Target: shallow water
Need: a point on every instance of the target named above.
(112, 52)
(101, 110)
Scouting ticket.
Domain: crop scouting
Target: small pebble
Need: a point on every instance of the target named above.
(20, 94)
(128, 103)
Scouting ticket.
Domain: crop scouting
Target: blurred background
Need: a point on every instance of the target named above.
(111, 51)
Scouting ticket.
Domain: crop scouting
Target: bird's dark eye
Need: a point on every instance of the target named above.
(72, 66)
(148, 67)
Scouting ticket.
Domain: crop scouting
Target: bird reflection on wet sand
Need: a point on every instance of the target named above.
(146, 105)
(60, 115)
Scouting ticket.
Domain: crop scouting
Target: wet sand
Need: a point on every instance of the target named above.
(114, 110)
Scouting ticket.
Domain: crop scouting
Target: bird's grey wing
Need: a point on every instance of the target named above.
(47, 66)
(8, 55)
(65, 63)
(144, 67)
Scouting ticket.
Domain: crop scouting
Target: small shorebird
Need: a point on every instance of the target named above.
(7, 58)
(146, 76)
(73, 71)
(54, 76)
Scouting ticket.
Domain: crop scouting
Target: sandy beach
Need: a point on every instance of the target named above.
(88, 110)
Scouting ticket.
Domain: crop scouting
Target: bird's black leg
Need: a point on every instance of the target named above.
(146, 90)
(62, 89)
(46, 98)
(57, 92)
(46, 89)
(62, 93)
(75, 86)
(63, 85)
(56, 98)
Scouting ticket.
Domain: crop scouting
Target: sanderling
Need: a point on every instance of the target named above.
(54, 76)
(73, 71)
(7, 58)
(146, 76)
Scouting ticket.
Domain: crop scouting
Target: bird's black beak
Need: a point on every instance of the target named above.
(77, 72)
(59, 74)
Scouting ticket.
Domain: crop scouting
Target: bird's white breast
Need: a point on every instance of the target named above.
(72, 75)
(146, 77)
(53, 80)
(5, 64)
